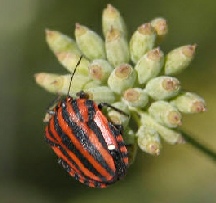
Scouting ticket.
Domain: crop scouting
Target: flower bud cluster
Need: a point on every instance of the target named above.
(135, 76)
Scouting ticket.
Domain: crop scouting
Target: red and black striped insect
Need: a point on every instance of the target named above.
(89, 147)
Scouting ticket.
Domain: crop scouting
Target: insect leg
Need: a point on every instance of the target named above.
(50, 109)
(104, 104)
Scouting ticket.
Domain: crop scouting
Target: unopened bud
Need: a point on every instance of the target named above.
(142, 41)
(135, 97)
(190, 103)
(149, 140)
(179, 59)
(100, 70)
(60, 83)
(165, 113)
(169, 135)
(69, 61)
(117, 117)
(89, 42)
(163, 87)
(111, 19)
(116, 47)
(122, 78)
(129, 136)
(161, 28)
(101, 94)
(130, 140)
(91, 83)
(149, 65)
(59, 42)
(51, 82)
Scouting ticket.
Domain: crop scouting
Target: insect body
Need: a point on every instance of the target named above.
(88, 146)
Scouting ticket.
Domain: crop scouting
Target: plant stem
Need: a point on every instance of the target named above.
(199, 146)
(190, 140)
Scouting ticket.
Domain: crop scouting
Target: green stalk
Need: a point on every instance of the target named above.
(199, 146)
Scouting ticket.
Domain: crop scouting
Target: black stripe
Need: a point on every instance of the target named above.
(124, 154)
(51, 135)
(85, 142)
(76, 109)
(51, 143)
(68, 167)
(93, 126)
(67, 142)
(64, 164)
(80, 135)
(65, 154)
(115, 132)
(113, 129)
(121, 144)
(121, 167)
(98, 184)
(86, 182)
(91, 111)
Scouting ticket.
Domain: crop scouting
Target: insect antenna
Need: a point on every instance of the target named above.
(72, 75)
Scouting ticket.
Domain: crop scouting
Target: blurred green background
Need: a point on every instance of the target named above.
(28, 168)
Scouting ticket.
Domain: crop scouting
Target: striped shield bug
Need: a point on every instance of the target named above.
(89, 146)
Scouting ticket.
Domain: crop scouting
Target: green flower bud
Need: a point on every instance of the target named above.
(61, 43)
(135, 97)
(100, 70)
(69, 61)
(89, 42)
(121, 78)
(190, 103)
(179, 59)
(165, 113)
(131, 143)
(117, 117)
(149, 140)
(122, 106)
(149, 65)
(60, 83)
(51, 82)
(116, 48)
(91, 83)
(101, 94)
(111, 19)
(77, 83)
(129, 136)
(105, 75)
(161, 28)
(142, 41)
(169, 135)
(163, 87)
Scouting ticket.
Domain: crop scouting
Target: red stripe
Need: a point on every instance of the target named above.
(62, 156)
(102, 123)
(126, 161)
(93, 139)
(71, 154)
(48, 135)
